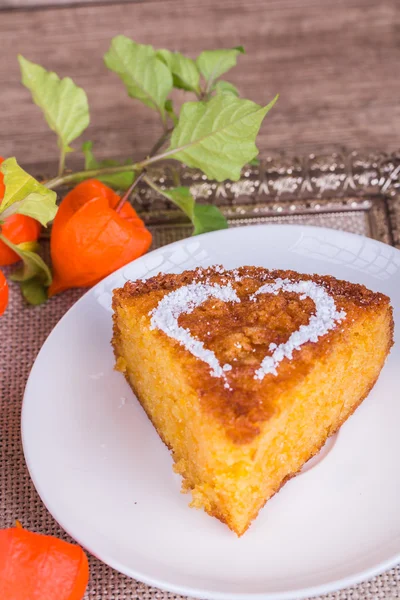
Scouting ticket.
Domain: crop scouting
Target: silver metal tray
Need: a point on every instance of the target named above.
(358, 192)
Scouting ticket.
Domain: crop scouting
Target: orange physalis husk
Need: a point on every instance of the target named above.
(2, 186)
(90, 239)
(18, 229)
(3, 293)
(40, 566)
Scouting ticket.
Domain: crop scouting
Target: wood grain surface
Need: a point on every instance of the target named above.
(34, 4)
(334, 63)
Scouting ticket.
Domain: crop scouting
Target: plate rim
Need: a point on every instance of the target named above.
(163, 584)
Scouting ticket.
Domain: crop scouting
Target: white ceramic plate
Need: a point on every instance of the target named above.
(103, 473)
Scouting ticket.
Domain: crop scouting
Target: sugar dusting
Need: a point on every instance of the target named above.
(184, 300)
(325, 318)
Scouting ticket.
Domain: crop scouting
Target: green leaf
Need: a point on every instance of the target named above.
(185, 74)
(224, 87)
(33, 265)
(218, 136)
(181, 197)
(145, 76)
(31, 246)
(208, 217)
(205, 217)
(118, 181)
(64, 104)
(34, 275)
(25, 195)
(214, 63)
(255, 162)
(33, 291)
(169, 109)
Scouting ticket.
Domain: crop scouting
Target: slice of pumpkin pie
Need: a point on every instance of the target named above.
(246, 373)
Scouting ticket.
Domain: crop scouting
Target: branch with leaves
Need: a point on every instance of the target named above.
(215, 132)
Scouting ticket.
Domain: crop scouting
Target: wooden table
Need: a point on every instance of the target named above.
(334, 63)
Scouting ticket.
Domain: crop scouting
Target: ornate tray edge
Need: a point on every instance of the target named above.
(281, 185)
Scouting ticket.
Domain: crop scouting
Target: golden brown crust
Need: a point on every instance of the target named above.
(359, 294)
(240, 334)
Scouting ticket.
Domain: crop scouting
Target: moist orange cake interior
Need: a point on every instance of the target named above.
(274, 363)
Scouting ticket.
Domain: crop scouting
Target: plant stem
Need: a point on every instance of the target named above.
(153, 185)
(61, 164)
(128, 192)
(80, 175)
(164, 120)
(157, 157)
(160, 142)
(6, 241)
(13, 247)
(176, 177)
(207, 90)
(154, 149)
(187, 211)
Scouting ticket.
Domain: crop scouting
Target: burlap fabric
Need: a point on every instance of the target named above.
(22, 332)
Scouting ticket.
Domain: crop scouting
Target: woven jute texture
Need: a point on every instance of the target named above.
(22, 332)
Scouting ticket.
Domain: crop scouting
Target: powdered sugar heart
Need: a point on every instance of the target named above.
(185, 299)
(325, 318)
